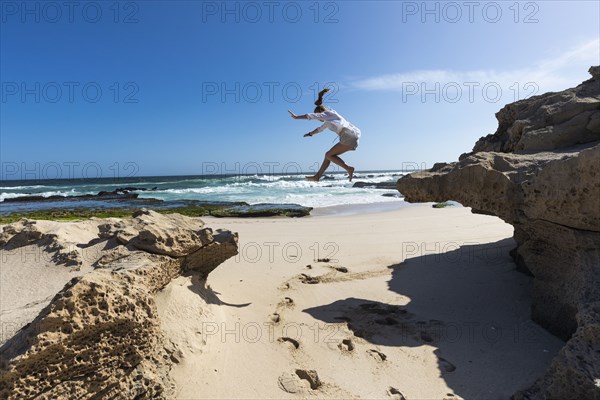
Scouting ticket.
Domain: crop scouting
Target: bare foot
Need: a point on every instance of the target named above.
(313, 178)
(350, 173)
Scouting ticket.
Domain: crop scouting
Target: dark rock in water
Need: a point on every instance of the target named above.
(131, 189)
(117, 194)
(263, 210)
(31, 198)
(112, 195)
(103, 195)
(376, 185)
(391, 195)
(539, 173)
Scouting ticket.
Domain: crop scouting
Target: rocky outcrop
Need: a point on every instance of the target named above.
(100, 337)
(171, 235)
(26, 232)
(540, 172)
(547, 122)
(262, 210)
(575, 372)
(204, 260)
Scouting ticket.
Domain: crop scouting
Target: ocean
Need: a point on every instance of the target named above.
(333, 190)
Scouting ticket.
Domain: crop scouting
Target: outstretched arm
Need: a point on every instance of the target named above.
(297, 116)
(319, 129)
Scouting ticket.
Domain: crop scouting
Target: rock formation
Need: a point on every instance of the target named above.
(100, 337)
(25, 232)
(540, 173)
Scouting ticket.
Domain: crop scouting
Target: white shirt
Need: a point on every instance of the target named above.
(333, 121)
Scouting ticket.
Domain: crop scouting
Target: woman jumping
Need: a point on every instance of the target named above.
(348, 133)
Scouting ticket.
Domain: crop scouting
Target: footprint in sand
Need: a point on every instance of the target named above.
(290, 383)
(284, 286)
(339, 268)
(286, 302)
(309, 376)
(311, 280)
(293, 342)
(395, 394)
(299, 381)
(274, 317)
(446, 365)
(346, 345)
(377, 355)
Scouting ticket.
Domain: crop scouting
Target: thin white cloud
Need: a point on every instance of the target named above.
(548, 74)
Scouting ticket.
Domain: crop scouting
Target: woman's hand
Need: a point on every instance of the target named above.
(293, 115)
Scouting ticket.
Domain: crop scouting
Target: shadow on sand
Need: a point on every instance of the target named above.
(469, 304)
(207, 294)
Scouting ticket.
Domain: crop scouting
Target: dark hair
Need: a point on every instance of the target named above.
(319, 103)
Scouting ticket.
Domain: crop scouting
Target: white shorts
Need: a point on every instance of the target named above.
(349, 137)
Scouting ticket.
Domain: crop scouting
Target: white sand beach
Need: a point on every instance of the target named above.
(430, 305)
(417, 302)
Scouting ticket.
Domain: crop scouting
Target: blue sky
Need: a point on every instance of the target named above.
(163, 88)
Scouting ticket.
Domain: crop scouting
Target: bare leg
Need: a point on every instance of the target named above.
(321, 171)
(337, 160)
(333, 155)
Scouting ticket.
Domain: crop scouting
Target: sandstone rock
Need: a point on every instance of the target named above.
(173, 234)
(539, 172)
(595, 72)
(25, 232)
(575, 371)
(115, 253)
(208, 257)
(100, 337)
(549, 121)
(560, 186)
(19, 234)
